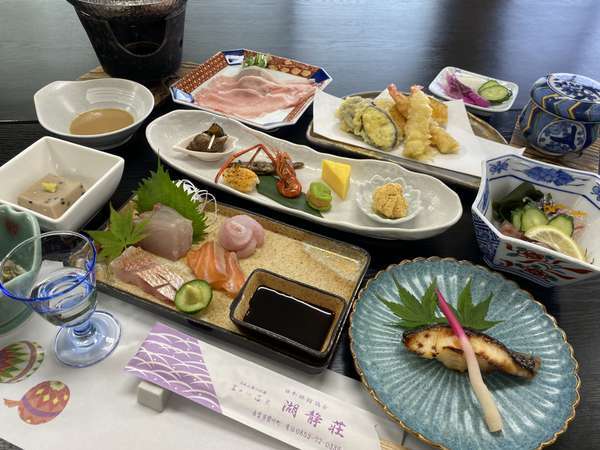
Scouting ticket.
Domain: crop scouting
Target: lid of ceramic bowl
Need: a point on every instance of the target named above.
(568, 95)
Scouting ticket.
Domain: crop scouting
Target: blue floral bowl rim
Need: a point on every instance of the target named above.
(397, 420)
(475, 210)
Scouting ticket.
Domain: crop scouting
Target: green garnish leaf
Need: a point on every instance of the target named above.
(414, 313)
(121, 233)
(517, 198)
(159, 188)
(477, 320)
(268, 188)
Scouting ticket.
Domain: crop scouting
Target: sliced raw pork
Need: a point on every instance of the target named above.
(253, 93)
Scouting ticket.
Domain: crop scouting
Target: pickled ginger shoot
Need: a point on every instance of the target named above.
(491, 414)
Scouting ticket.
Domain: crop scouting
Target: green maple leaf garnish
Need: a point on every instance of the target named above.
(473, 316)
(121, 233)
(415, 313)
(159, 188)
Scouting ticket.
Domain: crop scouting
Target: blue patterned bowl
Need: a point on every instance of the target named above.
(577, 189)
(15, 227)
(563, 115)
(437, 404)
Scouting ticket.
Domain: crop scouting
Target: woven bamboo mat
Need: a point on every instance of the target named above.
(160, 89)
(588, 159)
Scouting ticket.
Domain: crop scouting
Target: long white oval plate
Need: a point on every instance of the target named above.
(441, 205)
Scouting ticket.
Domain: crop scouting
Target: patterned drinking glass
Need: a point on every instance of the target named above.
(55, 275)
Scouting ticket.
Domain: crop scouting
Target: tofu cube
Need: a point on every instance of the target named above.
(51, 196)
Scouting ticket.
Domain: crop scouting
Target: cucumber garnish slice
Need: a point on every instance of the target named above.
(193, 296)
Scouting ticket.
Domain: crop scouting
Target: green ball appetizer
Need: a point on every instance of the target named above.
(319, 196)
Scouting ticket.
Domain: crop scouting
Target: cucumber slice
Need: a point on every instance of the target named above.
(487, 84)
(563, 223)
(495, 94)
(516, 216)
(193, 296)
(532, 217)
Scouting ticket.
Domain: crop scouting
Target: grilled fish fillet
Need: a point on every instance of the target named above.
(439, 342)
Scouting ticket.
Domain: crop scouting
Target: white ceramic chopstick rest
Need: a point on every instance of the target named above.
(152, 396)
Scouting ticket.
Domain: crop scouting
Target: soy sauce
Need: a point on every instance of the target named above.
(289, 316)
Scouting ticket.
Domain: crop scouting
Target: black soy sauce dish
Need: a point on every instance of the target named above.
(285, 312)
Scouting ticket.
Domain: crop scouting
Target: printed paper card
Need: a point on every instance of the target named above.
(253, 395)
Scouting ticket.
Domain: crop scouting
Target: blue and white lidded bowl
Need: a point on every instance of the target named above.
(563, 115)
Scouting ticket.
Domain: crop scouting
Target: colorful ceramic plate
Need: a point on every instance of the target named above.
(229, 62)
(437, 404)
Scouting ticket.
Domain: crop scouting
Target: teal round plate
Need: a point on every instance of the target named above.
(437, 404)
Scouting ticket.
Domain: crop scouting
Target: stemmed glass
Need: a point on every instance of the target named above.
(56, 277)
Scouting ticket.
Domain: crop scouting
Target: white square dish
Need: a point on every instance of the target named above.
(99, 172)
(436, 87)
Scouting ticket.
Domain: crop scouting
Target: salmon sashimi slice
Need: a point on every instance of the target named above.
(217, 267)
(208, 263)
(236, 277)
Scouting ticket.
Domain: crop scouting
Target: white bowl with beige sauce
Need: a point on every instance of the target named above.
(103, 113)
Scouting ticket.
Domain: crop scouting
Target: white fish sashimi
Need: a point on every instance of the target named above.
(257, 230)
(169, 234)
(241, 234)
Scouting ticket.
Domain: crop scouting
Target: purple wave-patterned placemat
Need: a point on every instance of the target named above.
(174, 361)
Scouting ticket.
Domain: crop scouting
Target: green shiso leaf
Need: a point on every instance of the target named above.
(159, 188)
(268, 188)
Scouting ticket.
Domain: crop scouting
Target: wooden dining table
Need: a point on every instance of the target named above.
(364, 45)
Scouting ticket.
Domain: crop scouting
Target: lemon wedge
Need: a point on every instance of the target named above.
(556, 240)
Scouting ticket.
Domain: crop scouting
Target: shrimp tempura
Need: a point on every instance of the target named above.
(400, 99)
(418, 137)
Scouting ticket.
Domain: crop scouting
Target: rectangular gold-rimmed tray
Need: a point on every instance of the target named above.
(327, 264)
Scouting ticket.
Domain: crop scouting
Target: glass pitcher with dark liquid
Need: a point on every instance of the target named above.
(136, 39)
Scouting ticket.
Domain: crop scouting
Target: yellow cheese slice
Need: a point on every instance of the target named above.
(337, 176)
